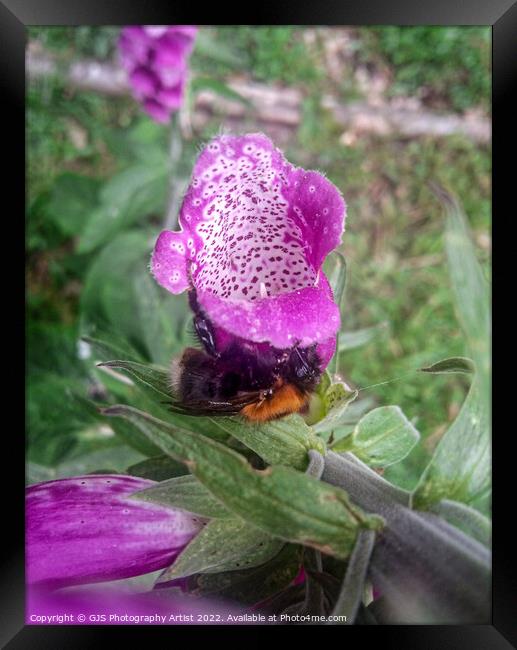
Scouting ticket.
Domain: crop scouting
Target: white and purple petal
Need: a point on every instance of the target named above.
(86, 529)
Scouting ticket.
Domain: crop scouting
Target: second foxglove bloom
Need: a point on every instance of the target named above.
(87, 529)
(156, 60)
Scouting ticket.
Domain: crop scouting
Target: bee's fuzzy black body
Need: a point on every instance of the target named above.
(211, 381)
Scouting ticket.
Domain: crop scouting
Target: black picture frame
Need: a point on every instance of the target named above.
(15, 16)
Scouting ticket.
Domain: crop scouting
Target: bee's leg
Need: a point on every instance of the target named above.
(205, 334)
(303, 367)
(202, 325)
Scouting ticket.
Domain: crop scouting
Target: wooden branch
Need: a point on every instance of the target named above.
(275, 106)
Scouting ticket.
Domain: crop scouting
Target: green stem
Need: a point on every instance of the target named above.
(175, 191)
(316, 464)
(314, 596)
(351, 592)
(428, 570)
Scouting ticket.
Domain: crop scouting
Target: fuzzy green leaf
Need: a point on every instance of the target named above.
(217, 50)
(155, 383)
(186, 493)
(223, 545)
(336, 399)
(451, 365)
(73, 199)
(469, 286)
(381, 437)
(130, 194)
(278, 500)
(153, 379)
(218, 87)
(251, 585)
(108, 346)
(158, 468)
(335, 269)
(358, 338)
(460, 467)
(279, 442)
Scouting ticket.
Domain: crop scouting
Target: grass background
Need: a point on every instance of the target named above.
(397, 274)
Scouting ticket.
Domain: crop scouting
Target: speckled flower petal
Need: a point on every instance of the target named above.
(260, 230)
(303, 317)
(319, 210)
(169, 261)
(86, 529)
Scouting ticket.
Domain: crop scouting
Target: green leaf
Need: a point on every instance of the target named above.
(146, 141)
(120, 294)
(132, 436)
(336, 400)
(35, 473)
(223, 545)
(460, 467)
(216, 86)
(317, 409)
(358, 338)
(157, 468)
(279, 442)
(325, 383)
(382, 437)
(125, 431)
(251, 586)
(108, 297)
(279, 500)
(114, 459)
(109, 346)
(469, 286)
(53, 419)
(451, 365)
(335, 270)
(186, 493)
(154, 384)
(72, 201)
(132, 193)
(153, 379)
(162, 319)
(216, 50)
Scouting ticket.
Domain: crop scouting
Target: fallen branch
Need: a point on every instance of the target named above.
(274, 105)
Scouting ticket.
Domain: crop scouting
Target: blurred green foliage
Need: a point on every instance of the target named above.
(276, 53)
(97, 198)
(446, 66)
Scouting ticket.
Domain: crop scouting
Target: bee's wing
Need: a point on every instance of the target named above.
(231, 406)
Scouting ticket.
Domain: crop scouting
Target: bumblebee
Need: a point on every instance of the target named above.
(256, 381)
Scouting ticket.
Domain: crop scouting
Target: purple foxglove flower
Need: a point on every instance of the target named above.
(255, 231)
(155, 58)
(85, 529)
